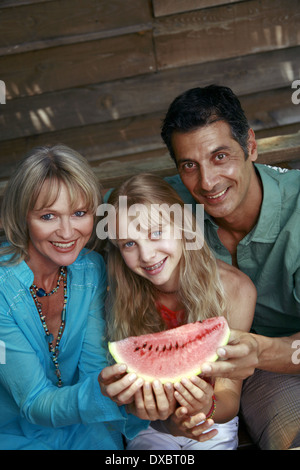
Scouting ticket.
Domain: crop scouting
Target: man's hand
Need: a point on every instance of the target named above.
(237, 360)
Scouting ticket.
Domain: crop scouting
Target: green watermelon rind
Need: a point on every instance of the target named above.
(190, 373)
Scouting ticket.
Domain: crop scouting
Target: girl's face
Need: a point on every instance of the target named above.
(58, 233)
(153, 253)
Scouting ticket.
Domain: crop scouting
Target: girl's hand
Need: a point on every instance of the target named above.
(195, 427)
(194, 395)
(153, 401)
(119, 386)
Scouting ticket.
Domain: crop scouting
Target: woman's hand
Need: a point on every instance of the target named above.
(153, 401)
(194, 395)
(119, 386)
(150, 402)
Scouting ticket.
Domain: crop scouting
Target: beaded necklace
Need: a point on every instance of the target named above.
(39, 292)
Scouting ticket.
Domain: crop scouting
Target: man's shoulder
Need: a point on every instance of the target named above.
(286, 181)
(282, 175)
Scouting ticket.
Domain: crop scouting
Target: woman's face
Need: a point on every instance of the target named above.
(57, 233)
(151, 252)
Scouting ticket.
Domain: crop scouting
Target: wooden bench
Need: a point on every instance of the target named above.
(283, 151)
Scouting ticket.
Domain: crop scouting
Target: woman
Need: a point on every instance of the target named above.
(158, 280)
(52, 292)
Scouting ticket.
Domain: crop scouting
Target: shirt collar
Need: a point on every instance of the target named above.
(23, 273)
(268, 226)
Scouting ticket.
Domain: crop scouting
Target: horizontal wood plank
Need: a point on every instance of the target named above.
(145, 94)
(269, 110)
(271, 150)
(40, 21)
(282, 148)
(17, 3)
(226, 31)
(170, 7)
(76, 65)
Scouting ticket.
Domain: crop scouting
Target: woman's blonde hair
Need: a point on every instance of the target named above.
(52, 165)
(131, 309)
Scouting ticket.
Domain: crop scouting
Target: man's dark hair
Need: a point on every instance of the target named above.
(199, 107)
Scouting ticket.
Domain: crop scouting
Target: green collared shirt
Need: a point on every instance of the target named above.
(270, 253)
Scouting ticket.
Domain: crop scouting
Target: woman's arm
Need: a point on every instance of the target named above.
(24, 378)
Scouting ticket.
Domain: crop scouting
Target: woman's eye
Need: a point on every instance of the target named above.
(47, 216)
(79, 213)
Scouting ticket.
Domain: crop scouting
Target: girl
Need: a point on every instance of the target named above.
(159, 280)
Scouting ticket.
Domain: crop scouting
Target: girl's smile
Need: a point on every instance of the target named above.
(156, 268)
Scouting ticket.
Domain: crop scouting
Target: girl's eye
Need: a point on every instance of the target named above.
(129, 244)
(47, 216)
(155, 235)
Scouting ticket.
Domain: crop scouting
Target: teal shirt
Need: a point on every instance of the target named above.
(270, 253)
(34, 412)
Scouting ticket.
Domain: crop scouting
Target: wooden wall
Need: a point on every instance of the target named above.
(99, 75)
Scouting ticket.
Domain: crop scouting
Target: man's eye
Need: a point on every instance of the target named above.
(188, 165)
(220, 156)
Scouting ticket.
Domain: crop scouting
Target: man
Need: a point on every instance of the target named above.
(252, 217)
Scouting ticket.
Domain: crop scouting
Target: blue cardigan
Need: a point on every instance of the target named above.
(34, 412)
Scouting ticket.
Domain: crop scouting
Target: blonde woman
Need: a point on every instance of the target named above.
(157, 281)
(52, 292)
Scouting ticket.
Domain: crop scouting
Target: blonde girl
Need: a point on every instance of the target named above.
(158, 282)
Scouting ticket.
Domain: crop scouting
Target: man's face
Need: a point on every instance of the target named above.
(212, 166)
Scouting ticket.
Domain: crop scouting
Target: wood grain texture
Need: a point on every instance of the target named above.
(143, 94)
(170, 7)
(227, 31)
(101, 77)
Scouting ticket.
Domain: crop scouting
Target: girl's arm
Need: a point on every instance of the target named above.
(195, 395)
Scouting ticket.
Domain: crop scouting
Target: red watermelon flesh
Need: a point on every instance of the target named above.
(172, 354)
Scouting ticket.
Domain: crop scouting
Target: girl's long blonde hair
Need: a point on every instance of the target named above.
(131, 309)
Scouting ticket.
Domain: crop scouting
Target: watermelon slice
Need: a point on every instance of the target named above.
(172, 354)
